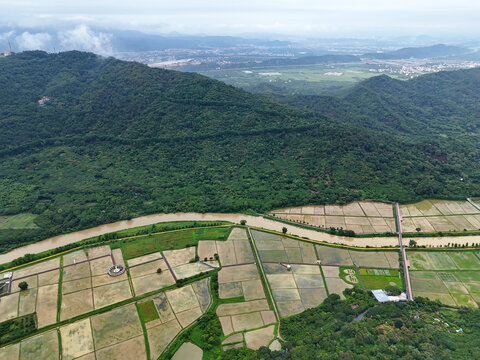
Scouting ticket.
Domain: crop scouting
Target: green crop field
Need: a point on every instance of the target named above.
(450, 276)
(170, 241)
(147, 311)
(380, 282)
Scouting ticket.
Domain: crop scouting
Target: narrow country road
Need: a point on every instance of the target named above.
(406, 274)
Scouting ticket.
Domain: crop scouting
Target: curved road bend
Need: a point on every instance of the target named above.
(406, 275)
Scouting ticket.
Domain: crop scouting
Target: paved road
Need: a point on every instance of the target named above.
(406, 274)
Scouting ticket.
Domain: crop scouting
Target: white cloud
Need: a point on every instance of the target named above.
(6, 35)
(37, 41)
(83, 38)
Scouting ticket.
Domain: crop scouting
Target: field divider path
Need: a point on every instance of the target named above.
(232, 265)
(267, 285)
(170, 268)
(406, 274)
(59, 267)
(359, 275)
(473, 203)
(146, 262)
(210, 266)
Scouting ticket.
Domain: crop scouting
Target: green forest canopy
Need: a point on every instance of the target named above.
(119, 140)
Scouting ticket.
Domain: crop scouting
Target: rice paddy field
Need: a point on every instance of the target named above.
(361, 217)
(139, 314)
(440, 216)
(316, 270)
(453, 277)
(173, 311)
(431, 216)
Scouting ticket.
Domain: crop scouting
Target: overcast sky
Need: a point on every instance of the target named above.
(309, 18)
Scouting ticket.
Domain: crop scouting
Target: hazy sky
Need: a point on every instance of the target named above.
(317, 18)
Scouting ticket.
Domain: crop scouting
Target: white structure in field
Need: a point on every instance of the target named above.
(382, 296)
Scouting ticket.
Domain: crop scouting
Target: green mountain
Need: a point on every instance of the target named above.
(443, 104)
(119, 139)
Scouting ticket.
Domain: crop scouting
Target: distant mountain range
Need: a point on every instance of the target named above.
(434, 51)
(119, 139)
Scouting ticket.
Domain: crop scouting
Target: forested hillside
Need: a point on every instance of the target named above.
(119, 140)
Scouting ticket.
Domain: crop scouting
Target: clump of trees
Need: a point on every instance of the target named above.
(23, 285)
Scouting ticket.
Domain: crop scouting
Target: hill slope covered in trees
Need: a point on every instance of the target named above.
(119, 140)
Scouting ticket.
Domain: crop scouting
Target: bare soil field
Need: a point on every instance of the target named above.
(230, 290)
(27, 302)
(100, 266)
(76, 339)
(252, 290)
(440, 215)
(247, 321)
(238, 273)
(132, 349)
(76, 285)
(337, 286)
(179, 257)
(111, 294)
(261, 337)
(152, 282)
(192, 269)
(188, 351)
(160, 336)
(236, 250)
(116, 326)
(9, 306)
(182, 299)
(361, 217)
(207, 249)
(11, 352)
(107, 279)
(77, 303)
(242, 308)
(47, 305)
(43, 346)
(187, 317)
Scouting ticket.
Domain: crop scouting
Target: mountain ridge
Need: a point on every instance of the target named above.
(120, 140)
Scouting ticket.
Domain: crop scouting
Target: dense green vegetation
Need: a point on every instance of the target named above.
(411, 330)
(120, 140)
(17, 328)
(147, 311)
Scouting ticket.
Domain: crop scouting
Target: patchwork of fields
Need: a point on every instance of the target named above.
(249, 320)
(373, 217)
(440, 216)
(96, 316)
(316, 271)
(361, 217)
(453, 277)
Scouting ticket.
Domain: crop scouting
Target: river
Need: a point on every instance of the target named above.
(256, 221)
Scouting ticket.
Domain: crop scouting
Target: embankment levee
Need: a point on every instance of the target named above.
(255, 221)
